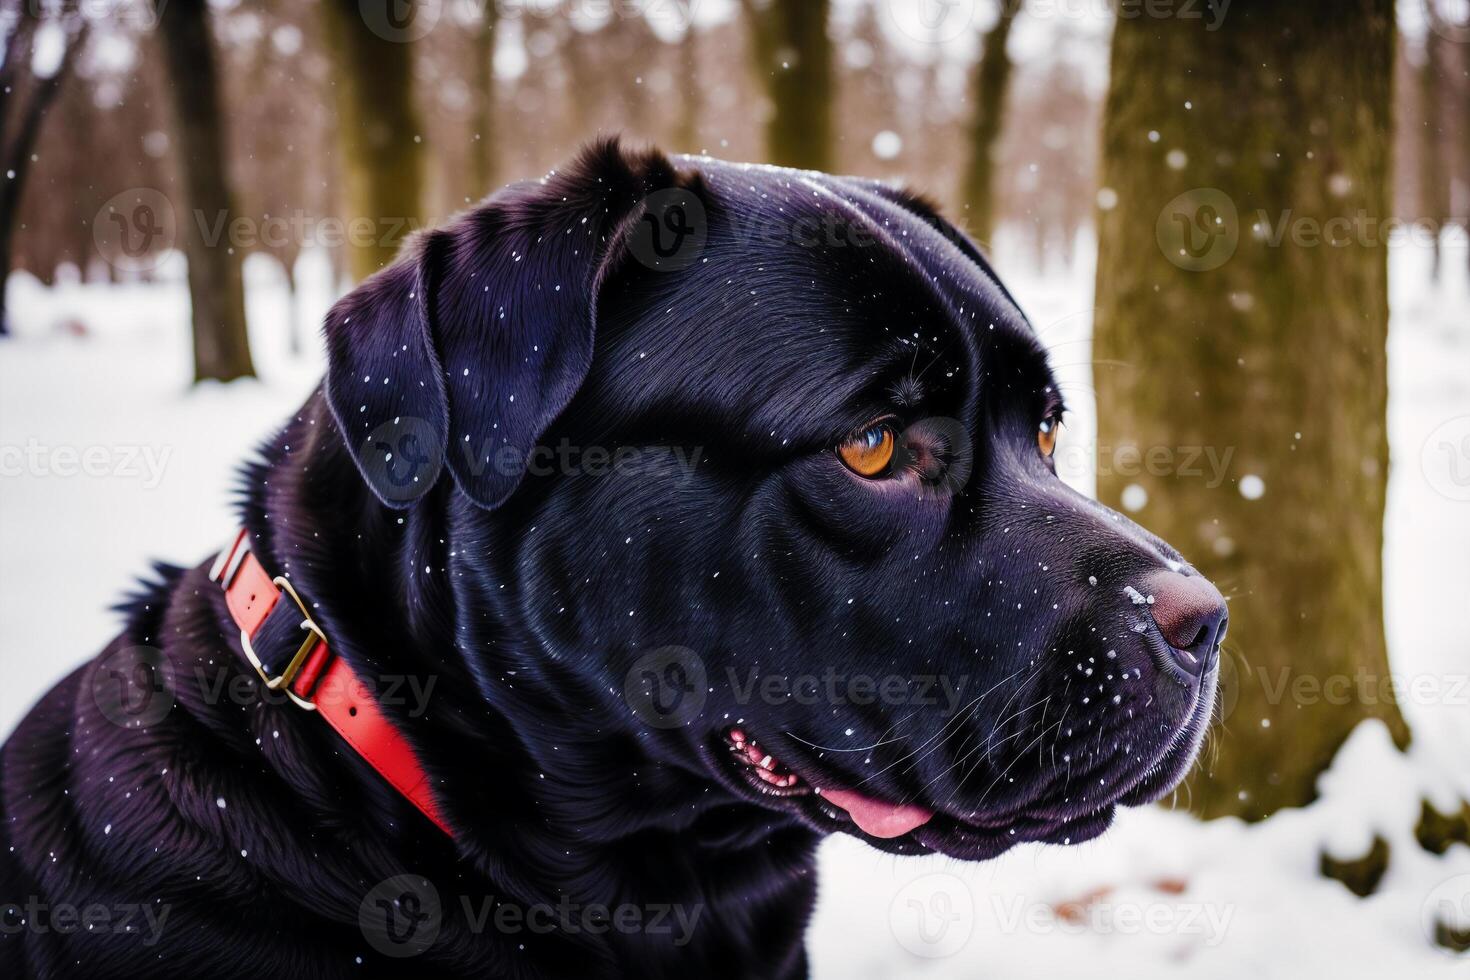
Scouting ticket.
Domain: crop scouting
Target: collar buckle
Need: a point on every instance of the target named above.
(314, 635)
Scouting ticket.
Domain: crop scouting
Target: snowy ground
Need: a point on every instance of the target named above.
(108, 459)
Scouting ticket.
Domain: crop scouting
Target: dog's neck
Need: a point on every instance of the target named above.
(552, 793)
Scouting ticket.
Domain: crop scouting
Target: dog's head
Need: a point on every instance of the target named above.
(749, 470)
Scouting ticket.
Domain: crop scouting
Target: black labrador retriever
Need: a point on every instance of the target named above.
(661, 517)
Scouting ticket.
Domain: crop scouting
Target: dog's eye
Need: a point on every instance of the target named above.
(870, 452)
(1046, 436)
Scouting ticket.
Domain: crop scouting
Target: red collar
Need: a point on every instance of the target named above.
(312, 676)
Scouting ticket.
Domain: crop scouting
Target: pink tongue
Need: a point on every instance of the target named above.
(877, 818)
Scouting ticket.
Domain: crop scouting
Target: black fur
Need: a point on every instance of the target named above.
(528, 598)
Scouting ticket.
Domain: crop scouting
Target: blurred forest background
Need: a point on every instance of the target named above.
(1056, 126)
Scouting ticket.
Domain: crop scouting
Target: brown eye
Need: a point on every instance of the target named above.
(869, 452)
(1046, 437)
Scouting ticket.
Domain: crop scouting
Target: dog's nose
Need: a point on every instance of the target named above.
(1191, 614)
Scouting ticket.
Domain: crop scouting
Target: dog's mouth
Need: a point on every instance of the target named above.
(768, 775)
(797, 785)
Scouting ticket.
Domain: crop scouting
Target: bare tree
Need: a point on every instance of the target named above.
(24, 99)
(991, 79)
(381, 139)
(216, 282)
(793, 59)
(485, 157)
(1434, 204)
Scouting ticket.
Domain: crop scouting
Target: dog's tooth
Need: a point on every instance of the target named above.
(768, 763)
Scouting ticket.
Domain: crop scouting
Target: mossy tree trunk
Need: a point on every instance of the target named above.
(991, 79)
(1273, 352)
(793, 61)
(381, 149)
(216, 282)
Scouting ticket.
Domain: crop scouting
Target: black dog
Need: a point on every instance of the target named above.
(678, 513)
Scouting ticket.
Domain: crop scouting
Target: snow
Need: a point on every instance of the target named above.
(82, 511)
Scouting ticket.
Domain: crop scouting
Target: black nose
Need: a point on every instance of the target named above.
(1191, 614)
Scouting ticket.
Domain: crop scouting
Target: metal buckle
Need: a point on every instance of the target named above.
(282, 681)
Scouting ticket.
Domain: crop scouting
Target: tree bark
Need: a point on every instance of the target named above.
(25, 119)
(992, 78)
(1274, 353)
(1434, 189)
(793, 60)
(381, 148)
(216, 283)
(485, 158)
(686, 136)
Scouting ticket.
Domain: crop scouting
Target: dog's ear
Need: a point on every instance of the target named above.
(468, 347)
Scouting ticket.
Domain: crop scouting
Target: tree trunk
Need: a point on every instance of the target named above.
(381, 149)
(1434, 189)
(793, 59)
(483, 163)
(216, 284)
(20, 125)
(1273, 352)
(294, 333)
(686, 137)
(992, 78)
